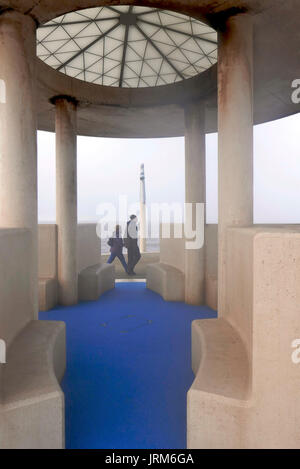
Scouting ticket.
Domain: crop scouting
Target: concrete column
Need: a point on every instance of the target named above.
(66, 199)
(18, 149)
(195, 185)
(235, 101)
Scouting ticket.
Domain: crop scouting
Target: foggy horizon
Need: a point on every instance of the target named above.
(108, 168)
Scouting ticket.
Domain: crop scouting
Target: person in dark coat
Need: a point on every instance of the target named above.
(116, 248)
(131, 244)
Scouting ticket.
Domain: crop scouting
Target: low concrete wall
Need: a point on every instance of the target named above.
(211, 266)
(88, 246)
(88, 253)
(47, 251)
(172, 250)
(167, 276)
(48, 259)
(16, 305)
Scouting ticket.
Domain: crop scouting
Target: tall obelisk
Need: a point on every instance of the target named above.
(143, 221)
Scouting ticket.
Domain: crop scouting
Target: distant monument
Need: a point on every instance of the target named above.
(143, 221)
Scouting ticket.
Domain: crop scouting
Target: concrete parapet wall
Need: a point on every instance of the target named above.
(88, 246)
(48, 265)
(88, 253)
(47, 251)
(172, 249)
(211, 266)
(17, 303)
(166, 277)
(172, 252)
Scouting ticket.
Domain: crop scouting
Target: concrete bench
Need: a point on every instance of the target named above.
(222, 381)
(48, 294)
(166, 280)
(95, 280)
(32, 411)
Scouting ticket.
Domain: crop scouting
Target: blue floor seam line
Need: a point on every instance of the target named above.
(128, 369)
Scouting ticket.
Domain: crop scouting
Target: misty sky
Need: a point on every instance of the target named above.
(109, 167)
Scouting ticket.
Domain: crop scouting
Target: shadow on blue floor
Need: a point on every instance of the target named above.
(128, 369)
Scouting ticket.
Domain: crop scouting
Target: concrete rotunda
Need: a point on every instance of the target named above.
(145, 69)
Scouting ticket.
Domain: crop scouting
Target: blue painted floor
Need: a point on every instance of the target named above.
(128, 369)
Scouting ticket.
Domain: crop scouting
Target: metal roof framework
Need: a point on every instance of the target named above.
(127, 46)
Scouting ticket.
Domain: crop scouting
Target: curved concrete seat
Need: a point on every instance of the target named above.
(219, 359)
(33, 402)
(47, 293)
(221, 386)
(95, 280)
(165, 280)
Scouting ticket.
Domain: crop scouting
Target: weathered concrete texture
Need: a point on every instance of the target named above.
(18, 164)
(66, 200)
(135, 113)
(44, 10)
(246, 381)
(108, 111)
(195, 188)
(235, 80)
(156, 111)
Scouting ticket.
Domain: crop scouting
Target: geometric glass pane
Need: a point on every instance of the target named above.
(127, 46)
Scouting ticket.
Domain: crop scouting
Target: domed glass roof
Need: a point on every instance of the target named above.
(127, 46)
